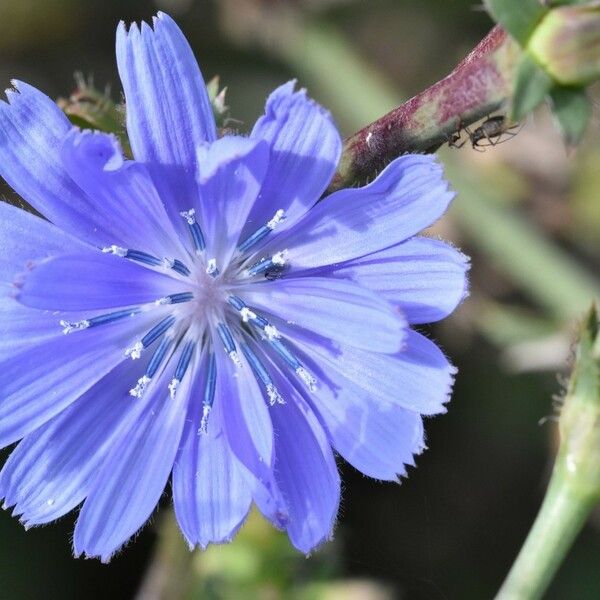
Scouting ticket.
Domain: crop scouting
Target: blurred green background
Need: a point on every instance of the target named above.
(528, 214)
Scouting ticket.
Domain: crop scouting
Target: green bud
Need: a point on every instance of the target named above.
(217, 100)
(579, 423)
(567, 43)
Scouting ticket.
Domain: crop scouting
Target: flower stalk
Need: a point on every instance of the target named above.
(574, 488)
(481, 84)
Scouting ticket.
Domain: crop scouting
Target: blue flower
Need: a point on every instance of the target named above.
(196, 314)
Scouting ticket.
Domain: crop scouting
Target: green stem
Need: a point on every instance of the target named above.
(561, 517)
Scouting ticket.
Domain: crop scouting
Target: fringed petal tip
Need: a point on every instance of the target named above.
(286, 97)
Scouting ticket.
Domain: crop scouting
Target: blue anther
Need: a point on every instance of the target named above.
(260, 321)
(179, 298)
(184, 360)
(180, 268)
(158, 357)
(195, 230)
(157, 331)
(256, 364)
(197, 237)
(143, 257)
(275, 263)
(211, 381)
(256, 237)
(261, 372)
(226, 337)
(236, 302)
(289, 358)
(261, 267)
(114, 316)
(262, 232)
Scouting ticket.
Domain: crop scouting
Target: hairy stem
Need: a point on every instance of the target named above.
(481, 84)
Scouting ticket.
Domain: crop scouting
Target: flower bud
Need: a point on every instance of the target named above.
(567, 43)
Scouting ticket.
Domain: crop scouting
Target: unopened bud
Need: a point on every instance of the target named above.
(567, 43)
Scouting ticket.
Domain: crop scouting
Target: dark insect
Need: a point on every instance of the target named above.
(275, 272)
(493, 131)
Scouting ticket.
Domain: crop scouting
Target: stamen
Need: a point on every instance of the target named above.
(147, 259)
(211, 267)
(158, 357)
(116, 250)
(157, 331)
(69, 327)
(295, 364)
(309, 380)
(261, 372)
(209, 392)
(271, 332)
(227, 339)
(277, 261)
(139, 389)
(195, 231)
(236, 302)
(175, 298)
(262, 232)
(249, 315)
(136, 350)
(136, 255)
(279, 258)
(182, 366)
(274, 395)
(155, 361)
(277, 218)
(177, 266)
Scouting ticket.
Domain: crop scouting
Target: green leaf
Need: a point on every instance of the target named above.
(573, 110)
(531, 87)
(518, 17)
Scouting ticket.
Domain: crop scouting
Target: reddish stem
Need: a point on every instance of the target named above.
(481, 84)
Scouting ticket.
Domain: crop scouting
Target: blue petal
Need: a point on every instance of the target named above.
(168, 109)
(306, 148)
(247, 426)
(22, 327)
(25, 238)
(93, 280)
(41, 381)
(134, 474)
(341, 310)
(377, 439)
(305, 469)
(375, 436)
(123, 193)
(231, 171)
(246, 421)
(52, 469)
(425, 278)
(32, 130)
(210, 492)
(407, 196)
(419, 378)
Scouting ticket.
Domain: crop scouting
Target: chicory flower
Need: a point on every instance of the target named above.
(195, 314)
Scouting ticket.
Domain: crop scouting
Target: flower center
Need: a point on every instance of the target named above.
(206, 312)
